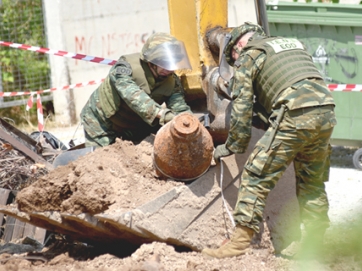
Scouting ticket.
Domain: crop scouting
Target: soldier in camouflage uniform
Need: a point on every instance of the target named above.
(276, 79)
(129, 103)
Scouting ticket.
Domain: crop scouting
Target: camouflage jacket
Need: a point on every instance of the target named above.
(305, 93)
(125, 102)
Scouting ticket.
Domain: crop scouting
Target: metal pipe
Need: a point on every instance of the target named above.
(262, 16)
(214, 37)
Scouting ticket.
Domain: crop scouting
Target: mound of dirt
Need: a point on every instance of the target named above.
(121, 176)
(107, 179)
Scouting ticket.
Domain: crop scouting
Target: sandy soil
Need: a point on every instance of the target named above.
(108, 179)
(111, 179)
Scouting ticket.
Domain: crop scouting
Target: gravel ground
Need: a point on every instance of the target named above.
(344, 191)
(345, 194)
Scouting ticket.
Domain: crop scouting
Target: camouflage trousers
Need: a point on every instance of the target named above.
(304, 139)
(100, 134)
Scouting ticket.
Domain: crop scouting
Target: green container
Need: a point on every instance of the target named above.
(333, 36)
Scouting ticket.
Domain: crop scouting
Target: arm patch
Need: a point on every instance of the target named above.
(124, 68)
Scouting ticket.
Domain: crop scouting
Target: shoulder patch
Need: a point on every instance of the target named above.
(124, 69)
(285, 44)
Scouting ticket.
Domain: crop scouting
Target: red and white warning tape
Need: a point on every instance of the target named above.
(38, 98)
(11, 94)
(345, 87)
(58, 53)
(332, 87)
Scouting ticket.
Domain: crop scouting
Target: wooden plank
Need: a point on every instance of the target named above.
(9, 228)
(4, 195)
(18, 230)
(29, 230)
(40, 235)
(14, 228)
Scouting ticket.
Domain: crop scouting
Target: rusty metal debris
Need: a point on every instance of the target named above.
(22, 142)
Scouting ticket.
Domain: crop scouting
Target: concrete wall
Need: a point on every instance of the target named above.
(106, 29)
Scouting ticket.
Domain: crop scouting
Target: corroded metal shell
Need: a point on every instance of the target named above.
(183, 149)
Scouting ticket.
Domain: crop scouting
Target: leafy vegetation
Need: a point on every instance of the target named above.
(21, 21)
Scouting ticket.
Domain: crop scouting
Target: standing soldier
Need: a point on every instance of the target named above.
(276, 78)
(129, 103)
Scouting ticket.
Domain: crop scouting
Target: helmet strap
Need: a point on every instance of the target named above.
(237, 50)
(155, 73)
(153, 68)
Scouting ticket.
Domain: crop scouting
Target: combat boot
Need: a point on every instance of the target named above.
(238, 244)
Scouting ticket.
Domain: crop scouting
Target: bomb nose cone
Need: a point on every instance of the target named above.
(182, 149)
(184, 126)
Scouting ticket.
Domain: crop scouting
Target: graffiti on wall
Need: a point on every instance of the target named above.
(110, 45)
(332, 59)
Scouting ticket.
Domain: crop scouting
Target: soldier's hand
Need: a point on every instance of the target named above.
(168, 117)
(221, 151)
(165, 116)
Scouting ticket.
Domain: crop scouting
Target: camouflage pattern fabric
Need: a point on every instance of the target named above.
(305, 93)
(282, 68)
(236, 33)
(101, 131)
(303, 139)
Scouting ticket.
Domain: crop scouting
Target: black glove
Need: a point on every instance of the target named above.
(259, 124)
(221, 151)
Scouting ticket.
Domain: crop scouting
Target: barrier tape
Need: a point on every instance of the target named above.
(11, 94)
(345, 87)
(332, 87)
(39, 105)
(59, 53)
(39, 112)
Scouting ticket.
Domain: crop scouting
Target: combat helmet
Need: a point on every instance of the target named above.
(166, 52)
(236, 33)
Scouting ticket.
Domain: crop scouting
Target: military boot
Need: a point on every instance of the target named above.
(238, 244)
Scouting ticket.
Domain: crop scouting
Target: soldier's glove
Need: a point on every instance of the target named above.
(259, 124)
(221, 151)
(169, 116)
(166, 116)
